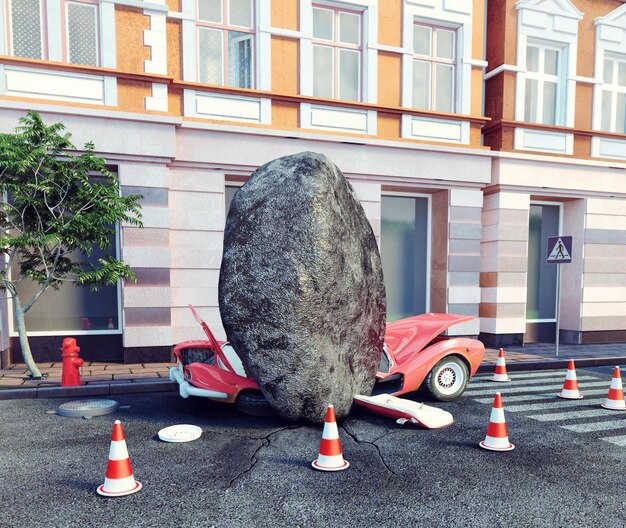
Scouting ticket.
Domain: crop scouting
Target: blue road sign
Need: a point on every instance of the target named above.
(559, 250)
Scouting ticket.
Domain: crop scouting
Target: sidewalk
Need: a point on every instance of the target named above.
(101, 379)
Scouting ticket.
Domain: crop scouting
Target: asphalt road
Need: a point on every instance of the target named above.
(247, 471)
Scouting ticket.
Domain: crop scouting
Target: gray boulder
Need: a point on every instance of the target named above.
(301, 290)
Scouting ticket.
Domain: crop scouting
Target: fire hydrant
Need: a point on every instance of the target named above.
(70, 377)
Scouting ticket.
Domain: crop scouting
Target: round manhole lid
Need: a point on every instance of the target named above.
(87, 408)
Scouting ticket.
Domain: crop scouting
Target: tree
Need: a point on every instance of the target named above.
(55, 207)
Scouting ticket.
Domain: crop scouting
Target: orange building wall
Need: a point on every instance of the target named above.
(285, 14)
(477, 29)
(134, 85)
(129, 27)
(502, 49)
(389, 78)
(390, 23)
(131, 95)
(174, 48)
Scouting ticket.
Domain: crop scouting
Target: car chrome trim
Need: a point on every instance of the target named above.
(185, 389)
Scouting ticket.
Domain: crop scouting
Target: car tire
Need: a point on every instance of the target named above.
(447, 380)
(253, 402)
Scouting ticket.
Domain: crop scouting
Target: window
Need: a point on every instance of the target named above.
(26, 29)
(81, 22)
(229, 194)
(541, 279)
(434, 68)
(337, 53)
(72, 309)
(226, 42)
(405, 254)
(542, 85)
(614, 95)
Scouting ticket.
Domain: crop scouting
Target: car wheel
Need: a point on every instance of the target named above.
(254, 403)
(447, 380)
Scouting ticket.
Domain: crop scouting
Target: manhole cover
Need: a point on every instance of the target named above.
(87, 408)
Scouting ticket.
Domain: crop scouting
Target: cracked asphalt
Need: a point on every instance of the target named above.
(257, 471)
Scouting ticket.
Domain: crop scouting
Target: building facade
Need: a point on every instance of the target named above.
(555, 89)
(468, 129)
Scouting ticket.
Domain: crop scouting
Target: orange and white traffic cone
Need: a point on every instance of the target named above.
(615, 398)
(119, 479)
(570, 386)
(497, 438)
(330, 457)
(500, 372)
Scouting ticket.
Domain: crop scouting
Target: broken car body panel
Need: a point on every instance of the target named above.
(413, 347)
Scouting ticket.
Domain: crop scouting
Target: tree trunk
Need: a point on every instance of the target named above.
(21, 330)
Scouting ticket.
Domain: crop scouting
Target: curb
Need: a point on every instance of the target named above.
(91, 389)
(144, 386)
(556, 363)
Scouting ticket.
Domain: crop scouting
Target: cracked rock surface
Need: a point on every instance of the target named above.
(301, 290)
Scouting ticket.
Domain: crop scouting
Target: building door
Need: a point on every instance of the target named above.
(405, 251)
(544, 222)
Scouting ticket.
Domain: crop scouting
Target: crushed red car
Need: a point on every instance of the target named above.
(415, 356)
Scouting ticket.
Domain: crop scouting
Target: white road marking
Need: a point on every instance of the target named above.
(526, 383)
(527, 375)
(543, 396)
(571, 415)
(511, 389)
(537, 391)
(617, 440)
(558, 404)
(596, 426)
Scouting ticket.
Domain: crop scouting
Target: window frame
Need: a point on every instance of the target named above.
(614, 88)
(43, 25)
(65, 29)
(337, 46)
(433, 61)
(225, 27)
(543, 78)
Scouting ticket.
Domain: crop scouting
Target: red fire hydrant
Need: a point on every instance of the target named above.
(70, 377)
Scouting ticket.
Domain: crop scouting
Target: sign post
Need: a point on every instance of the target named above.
(559, 252)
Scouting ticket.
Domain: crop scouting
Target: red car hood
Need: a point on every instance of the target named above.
(414, 333)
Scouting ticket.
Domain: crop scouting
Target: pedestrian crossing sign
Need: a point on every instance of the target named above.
(559, 250)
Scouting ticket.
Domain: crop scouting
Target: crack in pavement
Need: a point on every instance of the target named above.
(373, 443)
(253, 459)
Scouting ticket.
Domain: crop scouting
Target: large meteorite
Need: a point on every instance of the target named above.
(301, 288)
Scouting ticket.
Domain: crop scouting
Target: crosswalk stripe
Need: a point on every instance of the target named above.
(474, 385)
(542, 396)
(617, 440)
(553, 405)
(570, 415)
(596, 426)
(510, 389)
(527, 375)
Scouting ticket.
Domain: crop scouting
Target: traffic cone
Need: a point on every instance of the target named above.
(570, 386)
(497, 438)
(615, 398)
(500, 372)
(330, 457)
(119, 478)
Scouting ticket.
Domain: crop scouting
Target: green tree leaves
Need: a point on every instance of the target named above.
(56, 206)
